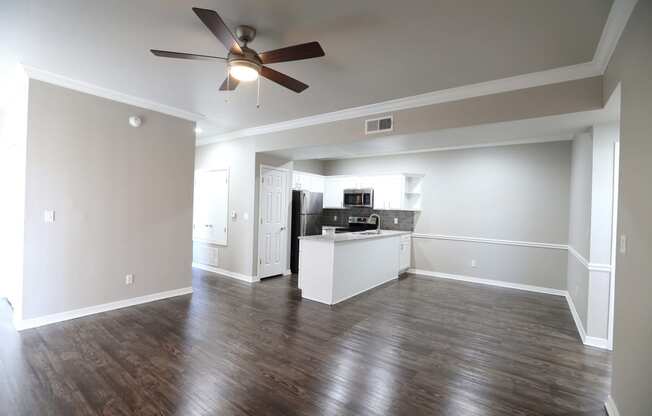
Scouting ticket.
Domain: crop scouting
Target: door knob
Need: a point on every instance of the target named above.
(282, 228)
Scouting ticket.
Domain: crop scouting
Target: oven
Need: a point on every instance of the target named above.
(359, 198)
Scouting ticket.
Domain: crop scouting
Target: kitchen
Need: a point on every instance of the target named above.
(338, 220)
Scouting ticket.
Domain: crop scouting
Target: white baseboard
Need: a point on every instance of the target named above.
(490, 282)
(287, 272)
(610, 405)
(576, 317)
(596, 342)
(224, 272)
(23, 324)
(586, 340)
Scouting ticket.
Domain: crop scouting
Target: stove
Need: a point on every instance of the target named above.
(358, 224)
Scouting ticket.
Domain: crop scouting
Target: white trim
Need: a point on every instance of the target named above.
(586, 339)
(610, 405)
(578, 256)
(594, 267)
(534, 79)
(490, 241)
(576, 317)
(490, 282)
(21, 325)
(96, 90)
(224, 272)
(619, 14)
(596, 342)
(287, 272)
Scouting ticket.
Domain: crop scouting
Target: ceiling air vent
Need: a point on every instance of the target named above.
(378, 125)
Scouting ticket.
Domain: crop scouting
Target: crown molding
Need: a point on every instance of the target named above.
(534, 79)
(96, 90)
(619, 14)
(614, 26)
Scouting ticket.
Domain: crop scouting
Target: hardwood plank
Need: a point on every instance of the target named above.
(413, 346)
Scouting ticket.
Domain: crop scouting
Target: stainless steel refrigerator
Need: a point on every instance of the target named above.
(306, 220)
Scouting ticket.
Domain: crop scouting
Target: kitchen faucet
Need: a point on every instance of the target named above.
(377, 221)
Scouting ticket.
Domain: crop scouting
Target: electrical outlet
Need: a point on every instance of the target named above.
(395, 220)
(129, 279)
(474, 263)
(334, 217)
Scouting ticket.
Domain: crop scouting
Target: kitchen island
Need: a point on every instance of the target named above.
(335, 267)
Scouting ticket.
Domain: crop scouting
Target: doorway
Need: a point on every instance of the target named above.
(272, 226)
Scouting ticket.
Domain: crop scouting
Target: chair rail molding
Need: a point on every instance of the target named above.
(485, 240)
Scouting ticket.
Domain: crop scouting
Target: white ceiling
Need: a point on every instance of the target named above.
(376, 50)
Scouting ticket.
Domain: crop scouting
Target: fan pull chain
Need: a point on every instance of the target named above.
(226, 96)
(258, 95)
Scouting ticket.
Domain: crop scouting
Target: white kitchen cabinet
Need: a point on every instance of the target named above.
(307, 181)
(333, 191)
(391, 191)
(406, 252)
(388, 191)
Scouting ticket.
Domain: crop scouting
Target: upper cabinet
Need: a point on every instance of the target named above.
(334, 187)
(391, 192)
(307, 181)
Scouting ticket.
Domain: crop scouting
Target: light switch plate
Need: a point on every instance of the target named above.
(623, 244)
(129, 279)
(48, 216)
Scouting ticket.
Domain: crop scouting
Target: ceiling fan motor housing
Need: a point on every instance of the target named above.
(245, 33)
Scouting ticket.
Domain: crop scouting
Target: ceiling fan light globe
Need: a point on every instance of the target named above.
(243, 72)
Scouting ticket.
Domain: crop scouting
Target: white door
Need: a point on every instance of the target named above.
(210, 208)
(272, 234)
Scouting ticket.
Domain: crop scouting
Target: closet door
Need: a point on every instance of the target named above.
(211, 206)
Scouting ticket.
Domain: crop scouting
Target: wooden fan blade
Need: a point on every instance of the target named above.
(182, 55)
(282, 79)
(229, 84)
(215, 24)
(292, 53)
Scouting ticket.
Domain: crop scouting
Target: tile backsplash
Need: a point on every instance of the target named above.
(405, 218)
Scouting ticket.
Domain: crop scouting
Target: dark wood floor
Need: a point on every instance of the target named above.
(416, 346)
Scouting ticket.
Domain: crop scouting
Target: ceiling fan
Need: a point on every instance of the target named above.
(243, 63)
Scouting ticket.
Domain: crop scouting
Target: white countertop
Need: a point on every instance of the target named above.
(353, 236)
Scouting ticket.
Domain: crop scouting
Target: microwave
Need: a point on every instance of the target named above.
(359, 198)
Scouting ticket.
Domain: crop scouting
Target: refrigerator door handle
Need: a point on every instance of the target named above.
(304, 219)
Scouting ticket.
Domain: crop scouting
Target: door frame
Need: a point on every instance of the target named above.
(614, 242)
(285, 239)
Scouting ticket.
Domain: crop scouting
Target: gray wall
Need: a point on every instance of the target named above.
(517, 192)
(310, 166)
(240, 154)
(631, 65)
(123, 201)
(579, 226)
(239, 157)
